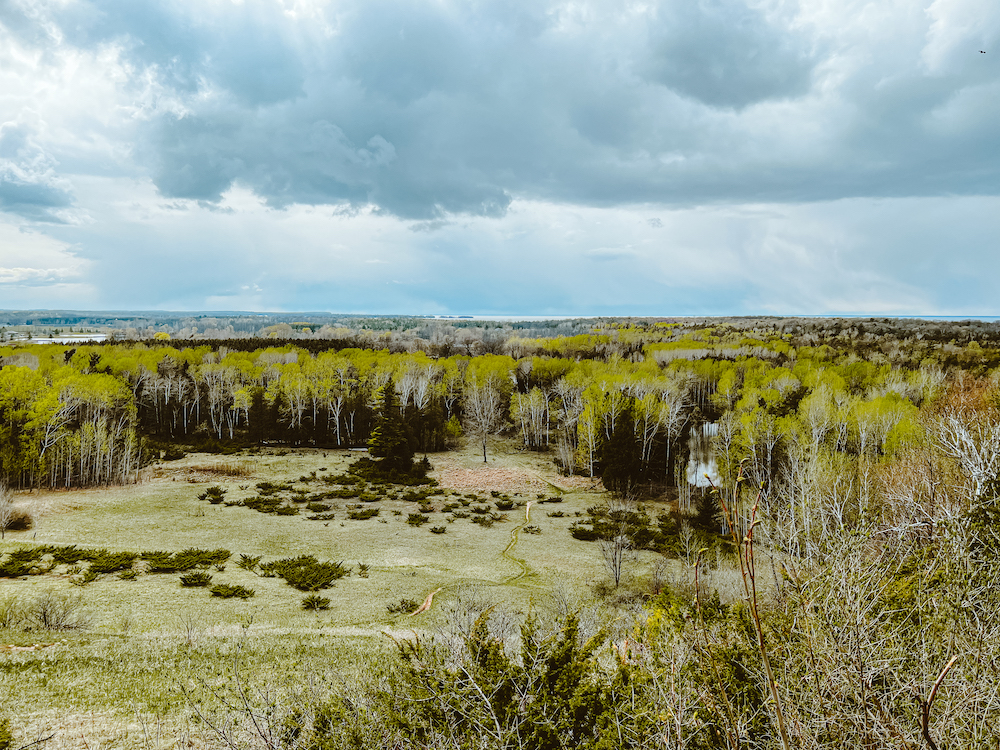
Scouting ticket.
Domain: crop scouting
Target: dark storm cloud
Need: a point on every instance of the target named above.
(429, 109)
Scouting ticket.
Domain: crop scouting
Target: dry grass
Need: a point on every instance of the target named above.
(146, 632)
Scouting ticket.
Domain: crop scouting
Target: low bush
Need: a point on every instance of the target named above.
(228, 591)
(57, 611)
(129, 575)
(286, 510)
(317, 507)
(305, 572)
(315, 602)
(402, 607)
(110, 562)
(198, 578)
(531, 530)
(247, 562)
(417, 519)
(363, 514)
(179, 562)
(214, 495)
(264, 504)
(438, 529)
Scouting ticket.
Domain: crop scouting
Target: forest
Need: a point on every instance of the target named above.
(854, 491)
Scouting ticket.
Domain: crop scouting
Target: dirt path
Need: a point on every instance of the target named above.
(525, 569)
(427, 602)
(514, 535)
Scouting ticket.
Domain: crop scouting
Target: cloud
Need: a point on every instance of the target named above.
(427, 110)
(505, 155)
(29, 185)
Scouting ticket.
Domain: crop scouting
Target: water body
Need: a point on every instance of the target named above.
(702, 461)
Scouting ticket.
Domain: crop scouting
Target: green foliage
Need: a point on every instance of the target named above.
(197, 578)
(214, 494)
(417, 519)
(389, 441)
(178, 562)
(248, 562)
(362, 514)
(402, 607)
(228, 591)
(315, 602)
(438, 529)
(305, 572)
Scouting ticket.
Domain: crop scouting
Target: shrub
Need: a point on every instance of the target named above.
(263, 504)
(363, 570)
(199, 578)
(166, 562)
(505, 504)
(461, 514)
(11, 612)
(214, 495)
(286, 510)
(305, 572)
(416, 519)
(317, 507)
(108, 562)
(531, 530)
(129, 575)
(363, 514)
(403, 606)
(248, 563)
(481, 509)
(315, 602)
(438, 529)
(228, 591)
(556, 514)
(57, 611)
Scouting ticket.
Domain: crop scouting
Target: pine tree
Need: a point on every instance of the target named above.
(389, 440)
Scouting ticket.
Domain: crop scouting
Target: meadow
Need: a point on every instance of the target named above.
(147, 639)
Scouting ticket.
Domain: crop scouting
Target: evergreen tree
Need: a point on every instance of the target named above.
(620, 455)
(389, 440)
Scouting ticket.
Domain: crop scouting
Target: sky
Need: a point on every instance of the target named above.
(673, 157)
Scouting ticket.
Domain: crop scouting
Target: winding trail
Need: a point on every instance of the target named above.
(524, 568)
(514, 535)
(427, 602)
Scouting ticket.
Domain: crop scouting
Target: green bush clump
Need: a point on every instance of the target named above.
(305, 572)
(110, 562)
(272, 488)
(129, 575)
(417, 519)
(487, 521)
(228, 591)
(198, 578)
(214, 495)
(248, 562)
(461, 514)
(556, 514)
(531, 530)
(322, 517)
(317, 507)
(481, 509)
(167, 562)
(315, 602)
(403, 606)
(286, 510)
(425, 509)
(263, 504)
(363, 515)
(438, 529)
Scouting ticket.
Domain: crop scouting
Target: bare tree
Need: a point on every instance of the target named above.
(484, 412)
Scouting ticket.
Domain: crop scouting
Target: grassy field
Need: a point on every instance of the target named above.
(149, 637)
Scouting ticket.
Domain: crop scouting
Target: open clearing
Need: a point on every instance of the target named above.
(149, 636)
